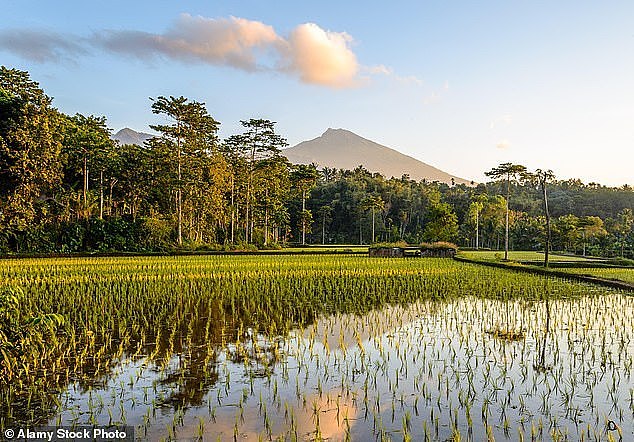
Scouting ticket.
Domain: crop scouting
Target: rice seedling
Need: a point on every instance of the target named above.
(316, 346)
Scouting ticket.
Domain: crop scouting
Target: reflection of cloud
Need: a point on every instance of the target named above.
(504, 144)
(41, 46)
(332, 408)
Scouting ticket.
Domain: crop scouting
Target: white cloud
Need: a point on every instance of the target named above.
(504, 144)
(321, 57)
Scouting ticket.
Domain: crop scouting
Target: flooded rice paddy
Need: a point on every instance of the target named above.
(319, 348)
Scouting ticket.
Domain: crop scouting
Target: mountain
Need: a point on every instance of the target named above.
(129, 136)
(342, 149)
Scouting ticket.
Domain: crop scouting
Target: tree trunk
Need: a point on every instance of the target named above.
(233, 212)
(101, 194)
(372, 224)
(179, 200)
(266, 216)
(506, 234)
(246, 212)
(323, 229)
(547, 213)
(477, 244)
(303, 217)
(85, 195)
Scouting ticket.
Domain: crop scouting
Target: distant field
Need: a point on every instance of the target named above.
(326, 248)
(626, 275)
(520, 256)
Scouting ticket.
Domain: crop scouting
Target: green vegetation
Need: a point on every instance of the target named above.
(626, 275)
(332, 346)
(489, 255)
(66, 187)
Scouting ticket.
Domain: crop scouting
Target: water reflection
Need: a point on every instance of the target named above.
(428, 369)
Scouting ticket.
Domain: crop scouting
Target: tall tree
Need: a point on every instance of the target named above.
(475, 209)
(509, 172)
(192, 133)
(87, 146)
(30, 147)
(373, 203)
(258, 143)
(541, 178)
(623, 227)
(304, 178)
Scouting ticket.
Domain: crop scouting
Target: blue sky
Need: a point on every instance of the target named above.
(458, 85)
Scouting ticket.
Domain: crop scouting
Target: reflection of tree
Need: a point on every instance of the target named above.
(540, 366)
(236, 335)
(193, 377)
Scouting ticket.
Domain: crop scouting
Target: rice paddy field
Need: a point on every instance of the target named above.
(314, 347)
(516, 255)
(621, 274)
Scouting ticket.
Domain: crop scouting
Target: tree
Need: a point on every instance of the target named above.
(256, 144)
(622, 228)
(271, 185)
(324, 213)
(541, 179)
(304, 178)
(566, 232)
(475, 208)
(591, 227)
(373, 203)
(442, 223)
(87, 145)
(510, 172)
(492, 220)
(30, 147)
(192, 132)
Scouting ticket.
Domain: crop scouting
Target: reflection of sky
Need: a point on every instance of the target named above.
(414, 364)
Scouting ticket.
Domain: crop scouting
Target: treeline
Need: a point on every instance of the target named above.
(343, 203)
(65, 186)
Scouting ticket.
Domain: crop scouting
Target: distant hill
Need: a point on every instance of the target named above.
(342, 149)
(129, 136)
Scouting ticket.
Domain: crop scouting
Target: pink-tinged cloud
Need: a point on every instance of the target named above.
(322, 57)
(310, 53)
(224, 41)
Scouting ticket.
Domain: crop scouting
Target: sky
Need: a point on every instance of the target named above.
(463, 86)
